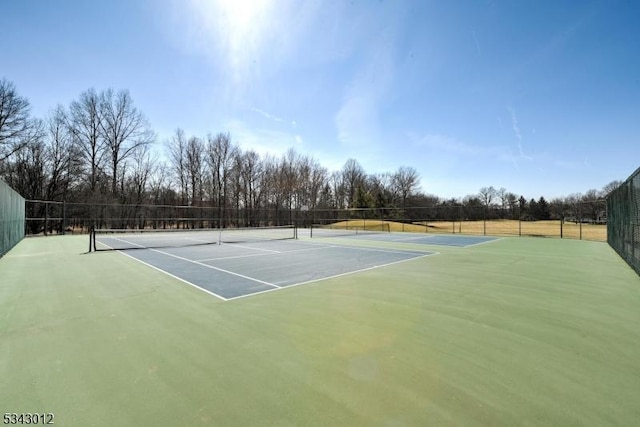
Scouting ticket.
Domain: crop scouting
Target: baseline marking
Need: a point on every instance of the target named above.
(334, 276)
(175, 277)
(253, 248)
(493, 239)
(263, 254)
(216, 268)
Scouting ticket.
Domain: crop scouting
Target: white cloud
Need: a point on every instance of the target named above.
(454, 148)
(267, 115)
(516, 128)
(477, 44)
(261, 140)
(358, 119)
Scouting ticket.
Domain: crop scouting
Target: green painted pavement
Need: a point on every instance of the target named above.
(516, 332)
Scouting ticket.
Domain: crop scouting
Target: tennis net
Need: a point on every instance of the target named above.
(348, 229)
(124, 239)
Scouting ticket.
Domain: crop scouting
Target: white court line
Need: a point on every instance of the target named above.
(493, 239)
(404, 239)
(334, 276)
(317, 246)
(120, 240)
(175, 277)
(263, 254)
(362, 248)
(251, 247)
(216, 268)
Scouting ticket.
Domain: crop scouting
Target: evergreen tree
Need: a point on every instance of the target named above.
(544, 211)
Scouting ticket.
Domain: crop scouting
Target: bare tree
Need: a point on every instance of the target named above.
(592, 204)
(268, 194)
(338, 190)
(487, 195)
(405, 181)
(63, 162)
(353, 175)
(219, 157)
(290, 178)
(177, 146)
(607, 189)
(15, 124)
(250, 169)
(84, 122)
(381, 185)
(123, 128)
(28, 175)
(195, 169)
(512, 202)
(160, 185)
(143, 165)
(503, 195)
(318, 180)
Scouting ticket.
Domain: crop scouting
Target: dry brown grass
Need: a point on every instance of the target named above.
(525, 228)
(505, 227)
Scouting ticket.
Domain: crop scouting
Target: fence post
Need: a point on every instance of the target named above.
(520, 227)
(484, 221)
(46, 217)
(581, 220)
(64, 217)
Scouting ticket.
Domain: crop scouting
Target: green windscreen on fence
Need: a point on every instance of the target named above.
(11, 217)
(623, 220)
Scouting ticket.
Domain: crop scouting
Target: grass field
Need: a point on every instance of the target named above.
(520, 331)
(500, 227)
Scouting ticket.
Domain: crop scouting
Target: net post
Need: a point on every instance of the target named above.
(91, 239)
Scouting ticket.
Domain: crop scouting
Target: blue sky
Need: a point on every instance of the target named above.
(539, 97)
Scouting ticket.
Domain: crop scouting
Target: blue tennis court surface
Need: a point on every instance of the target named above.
(416, 238)
(230, 271)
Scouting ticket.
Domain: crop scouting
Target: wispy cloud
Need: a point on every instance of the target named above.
(572, 165)
(477, 44)
(267, 115)
(263, 141)
(520, 155)
(358, 119)
(516, 128)
(443, 144)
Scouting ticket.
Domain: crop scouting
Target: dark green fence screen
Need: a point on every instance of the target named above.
(11, 217)
(623, 220)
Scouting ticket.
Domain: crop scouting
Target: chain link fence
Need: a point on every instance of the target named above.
(580, 220)
(623, 226)
(12, 217)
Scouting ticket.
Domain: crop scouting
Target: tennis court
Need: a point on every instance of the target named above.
(401, 237)
(232, 264)
(518, 331)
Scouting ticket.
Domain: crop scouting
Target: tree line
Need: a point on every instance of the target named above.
(99, 149)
